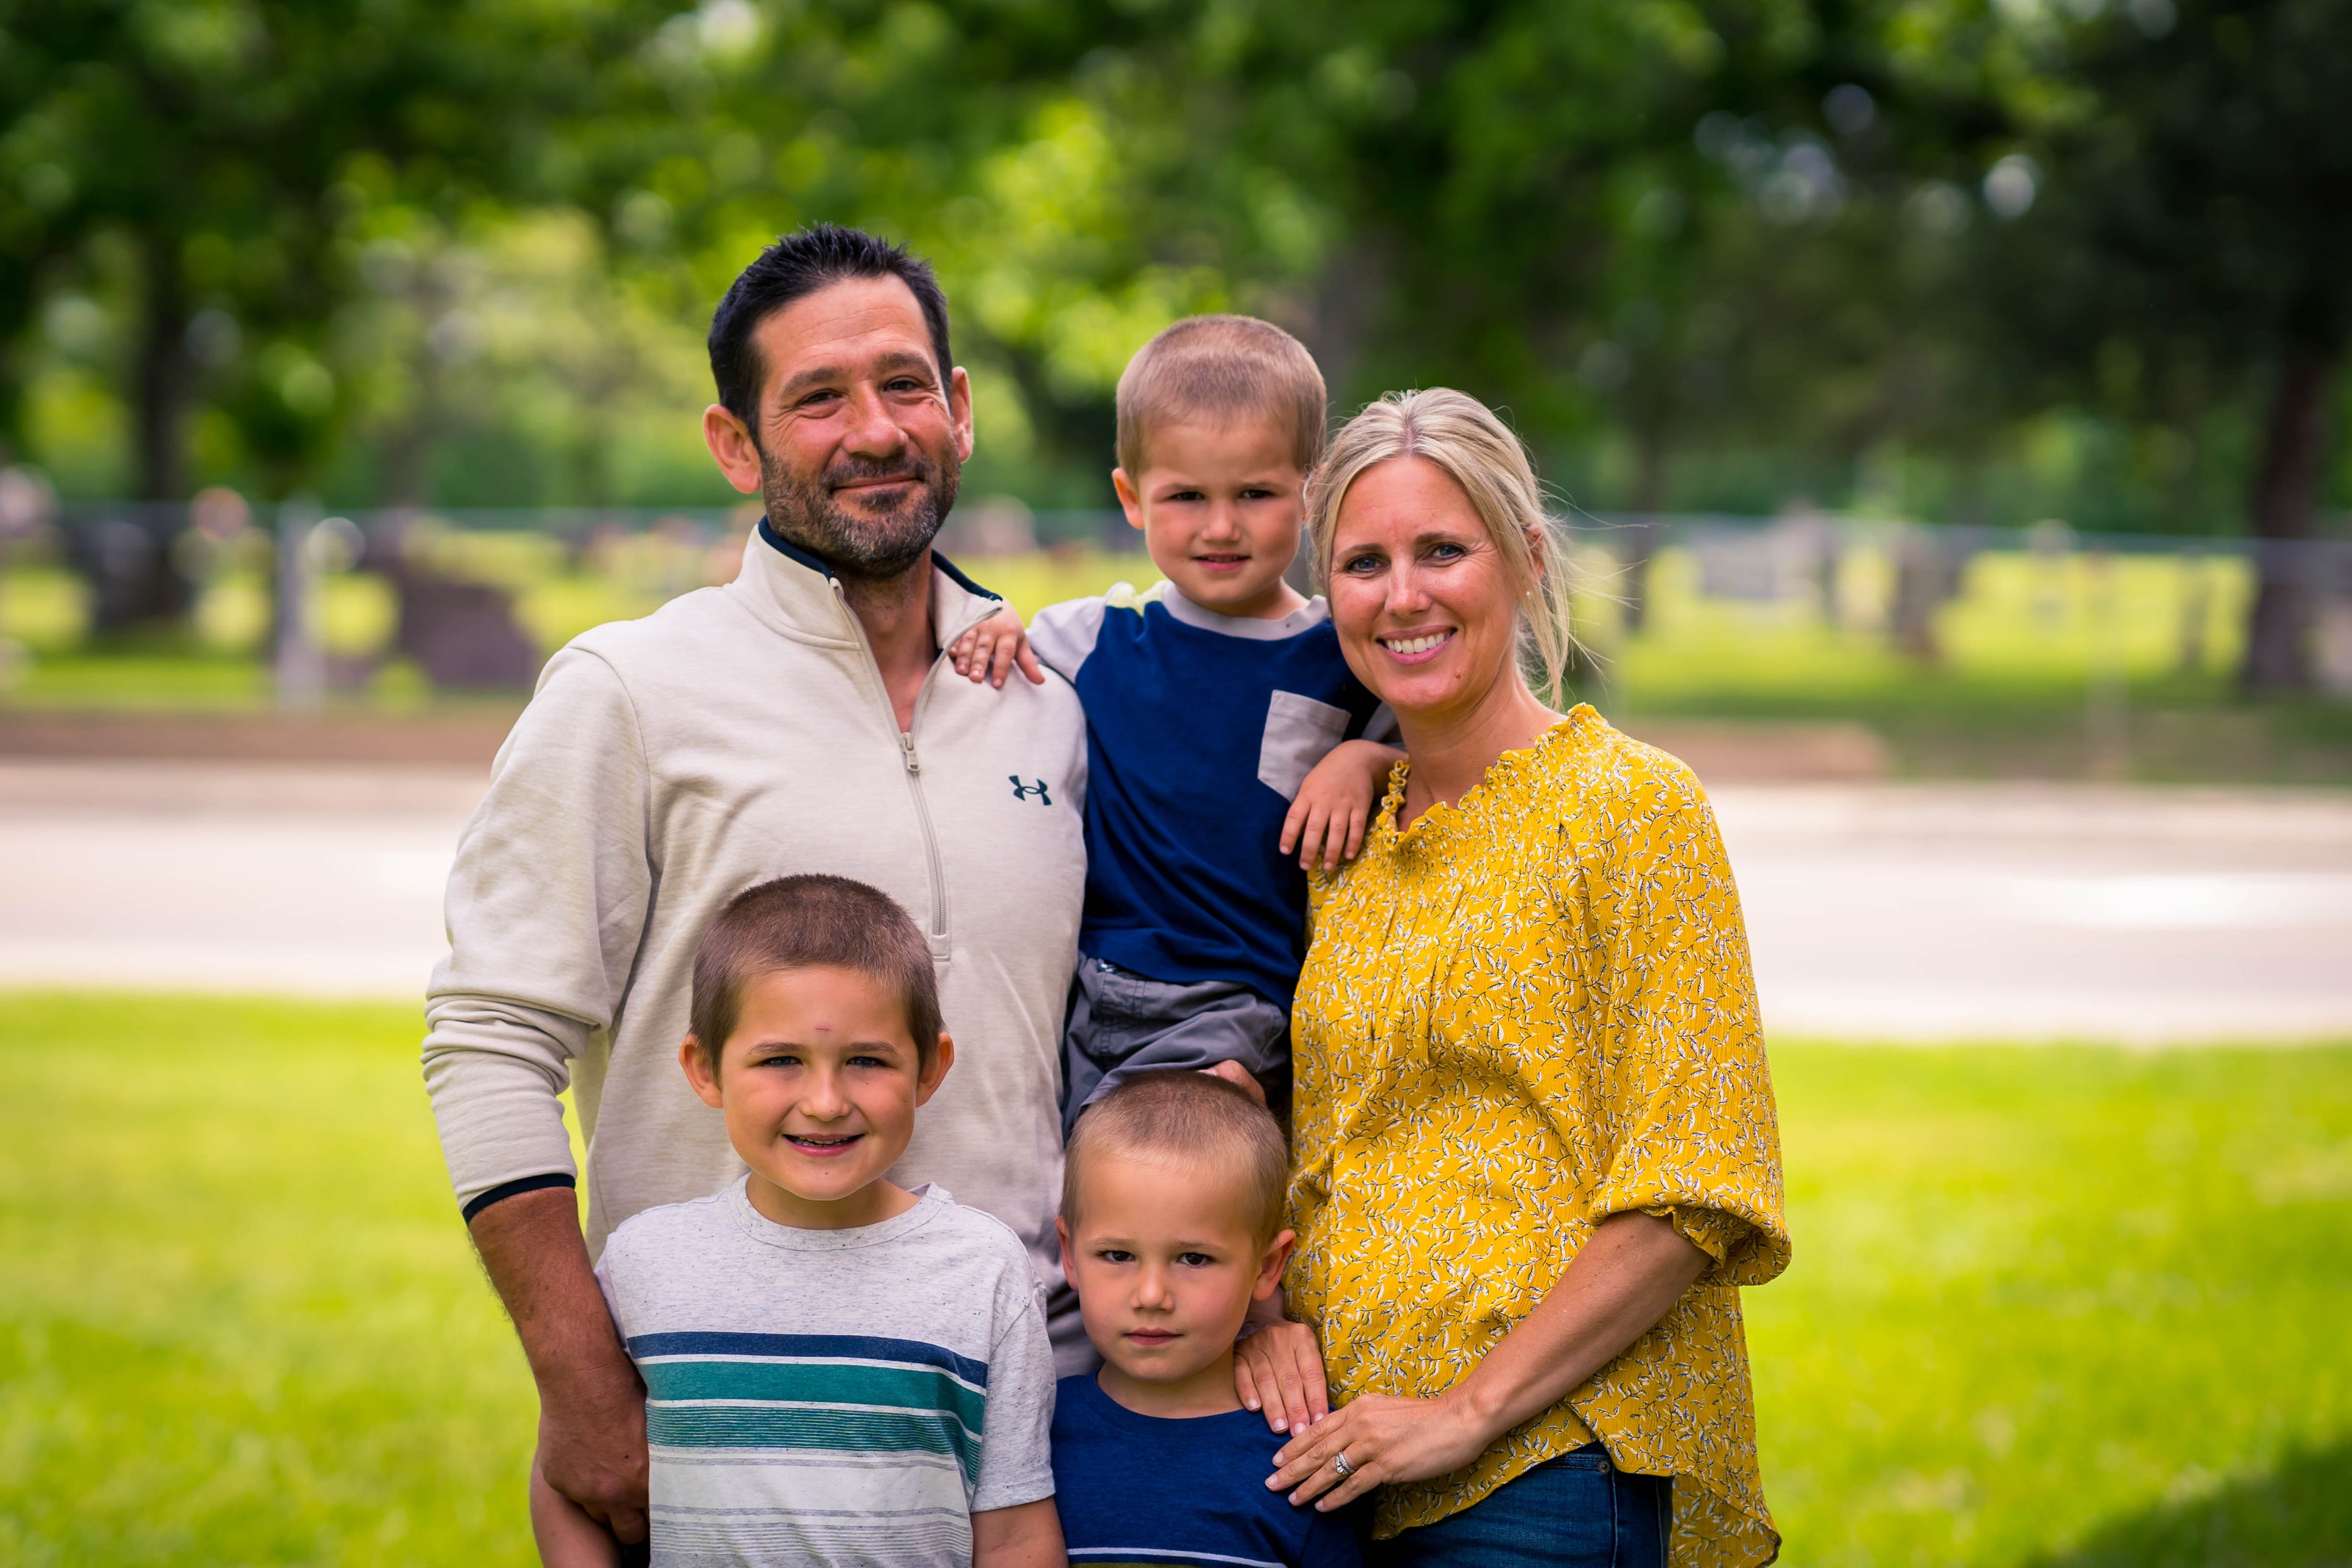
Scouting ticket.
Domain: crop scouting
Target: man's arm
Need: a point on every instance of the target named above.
(546, 908)
(592, 1422)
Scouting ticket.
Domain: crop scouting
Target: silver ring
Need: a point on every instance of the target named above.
(1340, 1463)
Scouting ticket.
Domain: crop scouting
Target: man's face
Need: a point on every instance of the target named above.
(859, 444)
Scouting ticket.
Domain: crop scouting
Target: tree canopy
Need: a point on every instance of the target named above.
(1966, 260)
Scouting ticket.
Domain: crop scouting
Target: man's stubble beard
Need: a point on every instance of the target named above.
(861, 544)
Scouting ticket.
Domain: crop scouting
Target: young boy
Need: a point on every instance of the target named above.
(837, 1370)
(1223, 725)
(1171, 1195)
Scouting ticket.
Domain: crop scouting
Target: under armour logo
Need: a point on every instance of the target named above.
(1023, 791)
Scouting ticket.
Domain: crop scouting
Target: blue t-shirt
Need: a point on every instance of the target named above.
(1199, 730)
(1137, 1489)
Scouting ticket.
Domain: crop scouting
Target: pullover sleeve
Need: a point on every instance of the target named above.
(545, 909)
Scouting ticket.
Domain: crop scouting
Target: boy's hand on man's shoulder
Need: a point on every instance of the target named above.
(993, 649)
(1327, 820)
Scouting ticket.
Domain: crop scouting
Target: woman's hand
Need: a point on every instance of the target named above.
(1386, 1439)
(990, 650)
(1279, 1370)
(1335, 801)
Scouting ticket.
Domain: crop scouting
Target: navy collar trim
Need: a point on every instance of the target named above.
(792, 551)
(961, 581)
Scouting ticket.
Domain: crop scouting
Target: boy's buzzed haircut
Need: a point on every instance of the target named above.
(1214, 368)
(812, 922)
(1191, 1118)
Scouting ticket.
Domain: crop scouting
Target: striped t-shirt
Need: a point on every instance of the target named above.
(832, 1396)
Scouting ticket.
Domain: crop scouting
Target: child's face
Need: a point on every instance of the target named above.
(1220, 506)
(819, 1082)
(1166, 1264)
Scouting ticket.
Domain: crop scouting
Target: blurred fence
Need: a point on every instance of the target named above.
(475, 598)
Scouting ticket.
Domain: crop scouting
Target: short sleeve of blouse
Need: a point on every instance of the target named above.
(1693, 1133)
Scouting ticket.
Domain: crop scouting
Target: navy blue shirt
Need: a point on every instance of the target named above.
(1199, 730)
(1182, 1494)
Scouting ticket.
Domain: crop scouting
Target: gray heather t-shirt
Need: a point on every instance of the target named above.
(832, 1396)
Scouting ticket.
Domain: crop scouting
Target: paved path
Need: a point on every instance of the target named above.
(1880, 911)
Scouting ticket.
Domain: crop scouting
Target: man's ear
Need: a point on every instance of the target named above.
(960, 412)
(1270, 1266)
(926, 1081)
(737, 454)
(698, 1072)
(1130, 501)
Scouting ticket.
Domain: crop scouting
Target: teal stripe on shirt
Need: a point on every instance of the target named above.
(817, 1383)
(812, 1427)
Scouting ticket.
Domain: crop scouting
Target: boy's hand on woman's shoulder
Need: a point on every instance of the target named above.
(1327, 820)
(990, 651)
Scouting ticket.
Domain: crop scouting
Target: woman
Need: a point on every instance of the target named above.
(1536, 1150)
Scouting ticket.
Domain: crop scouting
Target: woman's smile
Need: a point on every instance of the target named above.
(1418, 648)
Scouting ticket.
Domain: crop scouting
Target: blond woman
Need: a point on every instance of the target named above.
(1536, 1150)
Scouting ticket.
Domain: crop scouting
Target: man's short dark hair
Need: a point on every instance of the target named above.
(811, 922)
(796, 265)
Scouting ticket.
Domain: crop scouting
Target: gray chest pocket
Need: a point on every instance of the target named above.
(1299, 733)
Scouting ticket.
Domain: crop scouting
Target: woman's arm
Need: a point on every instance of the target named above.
(1626, 1277)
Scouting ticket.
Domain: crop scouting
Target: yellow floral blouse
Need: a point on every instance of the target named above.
(1527, 1012)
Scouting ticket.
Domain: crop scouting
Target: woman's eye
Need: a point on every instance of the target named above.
(1360, 564)
(1446, 552)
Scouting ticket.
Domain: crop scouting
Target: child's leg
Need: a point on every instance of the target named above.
(1121, 1024)
(567, 1537)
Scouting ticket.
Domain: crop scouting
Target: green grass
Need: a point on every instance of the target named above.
(2055, 1309)
(2045, 1299)
(239, 1322)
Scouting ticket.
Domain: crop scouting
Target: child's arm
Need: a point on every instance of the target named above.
(566, 1536)
(1026, 1535)
(1336, 803)
(990, 650)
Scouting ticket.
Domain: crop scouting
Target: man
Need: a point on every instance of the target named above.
(798, 719)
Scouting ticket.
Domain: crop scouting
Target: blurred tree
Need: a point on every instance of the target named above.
(2189, 186)
(217, 139)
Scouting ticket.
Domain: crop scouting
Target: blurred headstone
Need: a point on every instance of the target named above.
(997, 526)
(28, 504)
(1927, 576)
(1744, 566)
(301, 659)
(2332, 631)
(2051, 543)
(462, 635)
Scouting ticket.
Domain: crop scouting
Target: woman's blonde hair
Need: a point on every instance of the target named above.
(1470, 442)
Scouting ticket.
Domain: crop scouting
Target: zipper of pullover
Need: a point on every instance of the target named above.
(931, 840)
(914, 767)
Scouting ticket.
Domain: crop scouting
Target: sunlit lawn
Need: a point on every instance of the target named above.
(2045, 1302)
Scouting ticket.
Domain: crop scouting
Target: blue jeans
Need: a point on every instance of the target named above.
(1578, 1510)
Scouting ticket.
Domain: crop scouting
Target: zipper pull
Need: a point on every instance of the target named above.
(906, 744)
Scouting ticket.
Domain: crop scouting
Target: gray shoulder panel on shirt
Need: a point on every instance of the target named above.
(1064, 635)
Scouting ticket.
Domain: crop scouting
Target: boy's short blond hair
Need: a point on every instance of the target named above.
(1220, 368)
(1187, 1118)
